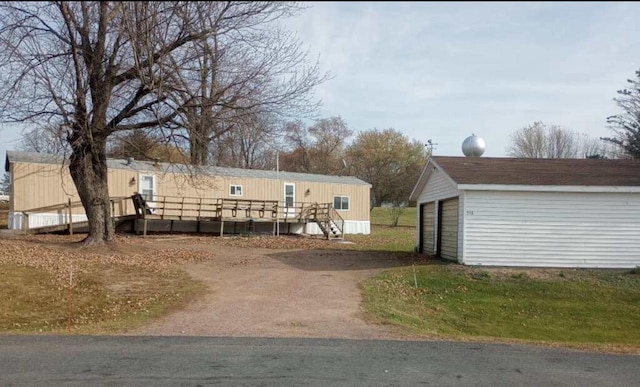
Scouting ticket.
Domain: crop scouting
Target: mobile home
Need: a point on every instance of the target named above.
(40, 182)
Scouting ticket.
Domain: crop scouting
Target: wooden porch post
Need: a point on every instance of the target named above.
(70, 219)
(25, 222)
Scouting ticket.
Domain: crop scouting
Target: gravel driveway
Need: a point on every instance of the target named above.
(279, 293)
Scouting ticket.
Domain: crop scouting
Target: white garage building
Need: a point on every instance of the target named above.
(530, 212)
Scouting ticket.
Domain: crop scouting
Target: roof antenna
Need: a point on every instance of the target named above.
(430, 146)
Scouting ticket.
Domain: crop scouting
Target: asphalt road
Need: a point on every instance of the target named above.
(201, 361)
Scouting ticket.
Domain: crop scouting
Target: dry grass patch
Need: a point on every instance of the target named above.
(50, 283)
(4, 214)
(382, 238)
(119, 287)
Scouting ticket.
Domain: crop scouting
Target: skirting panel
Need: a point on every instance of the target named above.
(350, 227)
(15, 219)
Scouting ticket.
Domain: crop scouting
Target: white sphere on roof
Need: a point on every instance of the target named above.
(473, 146)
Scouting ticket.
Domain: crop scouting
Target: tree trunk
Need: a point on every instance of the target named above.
(199, 149)
(88, 168)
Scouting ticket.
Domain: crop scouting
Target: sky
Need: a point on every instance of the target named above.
(441, 71)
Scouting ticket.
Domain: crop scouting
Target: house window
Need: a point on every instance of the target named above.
(235, 190)
(341, 202)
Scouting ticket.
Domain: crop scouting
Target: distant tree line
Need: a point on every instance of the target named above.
(385, 158)
(539, 140)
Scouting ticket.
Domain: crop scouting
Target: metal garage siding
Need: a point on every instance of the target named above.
(566, 229)
(427, 219)
(438, 187)
(449, 230)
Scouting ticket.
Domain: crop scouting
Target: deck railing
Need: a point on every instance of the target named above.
(181, 207)
(204, 209)
(65, 210)
(184, 208)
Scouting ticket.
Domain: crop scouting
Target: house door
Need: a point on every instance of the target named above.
(427, 223)
(289, 198)
(147, 188)
(448, 229)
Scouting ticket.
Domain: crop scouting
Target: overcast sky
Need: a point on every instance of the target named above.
(442, 71)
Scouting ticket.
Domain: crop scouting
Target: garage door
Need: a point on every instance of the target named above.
(427, 217)
(448, 230)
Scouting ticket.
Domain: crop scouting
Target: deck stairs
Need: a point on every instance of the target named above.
(327, 218)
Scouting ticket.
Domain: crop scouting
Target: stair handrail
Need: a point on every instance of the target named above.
(336, 218)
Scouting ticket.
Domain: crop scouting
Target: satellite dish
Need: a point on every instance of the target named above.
(473, 146)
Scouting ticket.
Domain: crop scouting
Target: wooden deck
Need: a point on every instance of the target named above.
(186, 214)
(250, 212)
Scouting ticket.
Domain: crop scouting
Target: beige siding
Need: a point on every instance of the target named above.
(552, 229)
(12, 197)
(428, 227)
(39, 185)
(266, 189)
(449, 230)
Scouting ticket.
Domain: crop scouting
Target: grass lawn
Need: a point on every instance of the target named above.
(385, 238)
(583, 308)
(111, 291)
(104, 299)
(382, 216)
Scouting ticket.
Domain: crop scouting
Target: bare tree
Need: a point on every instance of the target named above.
(246, 67)
(144, 145)
(626, 126)
(389, 161)
(330, 136)
(299, 142)
(45, 139)
(96, 68)
(251, 145)
(530, 142)
(552, 142)
(595, 148)
(316, 149)
(562, 143)
(5, 183)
